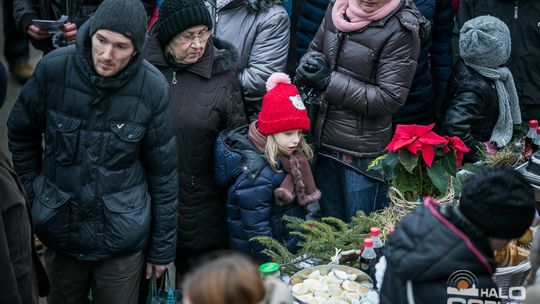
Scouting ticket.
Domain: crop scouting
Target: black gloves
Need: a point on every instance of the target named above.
(313, 72)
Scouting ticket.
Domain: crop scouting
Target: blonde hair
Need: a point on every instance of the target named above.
(231, 279)
(272, 150)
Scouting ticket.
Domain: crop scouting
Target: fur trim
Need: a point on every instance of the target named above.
(259, 6)
(275, 79)
(283, 196)
(226, 58)
(313, 197)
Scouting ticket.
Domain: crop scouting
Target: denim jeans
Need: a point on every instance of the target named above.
(346, 191)
(16, 46)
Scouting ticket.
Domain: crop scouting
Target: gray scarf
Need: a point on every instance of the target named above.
(485, 46)
(509, 111)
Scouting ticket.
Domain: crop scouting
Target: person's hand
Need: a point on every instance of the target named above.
(35, 33)
(70, 31)
(160, 269)
(314, 72)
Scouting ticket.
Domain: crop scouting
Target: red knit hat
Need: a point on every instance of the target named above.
(282, 107)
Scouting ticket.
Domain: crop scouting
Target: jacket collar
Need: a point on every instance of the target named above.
(219, 57)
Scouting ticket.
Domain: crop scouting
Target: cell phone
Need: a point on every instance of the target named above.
(50, 25)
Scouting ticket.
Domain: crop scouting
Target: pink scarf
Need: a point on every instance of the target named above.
(358, 18)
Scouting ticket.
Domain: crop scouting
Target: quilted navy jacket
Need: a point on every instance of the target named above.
(251, 209)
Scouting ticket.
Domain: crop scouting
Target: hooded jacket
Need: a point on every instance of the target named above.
(259, 29)
(205, 99)
(78, 12)
(105, 182)
(372, 70)
(251, 208)
(428, 246)
(523, 19)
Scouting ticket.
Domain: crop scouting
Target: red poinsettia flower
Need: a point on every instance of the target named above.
(416, 138)
(459, 148)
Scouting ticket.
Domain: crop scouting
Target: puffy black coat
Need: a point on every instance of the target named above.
(434, 65)
(251, 208)
(105, 183)
(523, 20)
(472, 108)
(372, 70)
(205, 100)
(428, 246)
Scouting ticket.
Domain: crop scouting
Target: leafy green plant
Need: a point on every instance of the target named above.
(419, 162)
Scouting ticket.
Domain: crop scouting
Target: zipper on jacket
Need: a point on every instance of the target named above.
(516, 9)
(174, 81)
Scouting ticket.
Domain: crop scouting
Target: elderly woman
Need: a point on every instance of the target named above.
(205, 99)
(372, 48)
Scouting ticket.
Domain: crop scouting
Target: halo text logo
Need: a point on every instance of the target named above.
(462, 288)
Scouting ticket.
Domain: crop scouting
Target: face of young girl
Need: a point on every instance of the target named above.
(288, 141)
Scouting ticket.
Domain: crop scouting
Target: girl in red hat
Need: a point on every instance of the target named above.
(266, 167)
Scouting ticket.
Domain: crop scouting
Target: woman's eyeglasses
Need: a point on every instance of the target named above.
(190, 38)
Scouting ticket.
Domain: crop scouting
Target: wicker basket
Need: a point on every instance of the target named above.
(399, 206)
(507, 277)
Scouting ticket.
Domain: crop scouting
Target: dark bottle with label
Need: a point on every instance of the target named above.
(378, 245)
(368, 258)
(529, 139)
(536, 143)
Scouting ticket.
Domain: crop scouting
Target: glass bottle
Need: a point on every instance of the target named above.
(368, 258)
(529, 138)
(536, 143)
(378, 245)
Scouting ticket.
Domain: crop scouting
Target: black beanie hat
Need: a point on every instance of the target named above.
(126, 17)
(499, 201)
(175, 16)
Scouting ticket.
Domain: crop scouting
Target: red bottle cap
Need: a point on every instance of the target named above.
(533, 123)
(374, 231)
(538, 130)
(368, 242)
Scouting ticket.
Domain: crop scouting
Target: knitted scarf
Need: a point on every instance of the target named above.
(298, 182)
(348, 16)
(509, 111)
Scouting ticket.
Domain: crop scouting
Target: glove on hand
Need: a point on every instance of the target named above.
(314, 72)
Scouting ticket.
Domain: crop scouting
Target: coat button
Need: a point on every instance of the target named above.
(538, 24)
(130, 136)
(60, 125)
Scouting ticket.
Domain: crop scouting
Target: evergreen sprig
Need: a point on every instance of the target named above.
(319, 240)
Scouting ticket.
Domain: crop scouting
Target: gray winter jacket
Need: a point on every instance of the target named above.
(259, 29)
(104, 183)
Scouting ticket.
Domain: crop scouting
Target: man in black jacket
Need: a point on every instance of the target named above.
(523, 19)
(104, 185)
(436, 247)
(78, 11)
